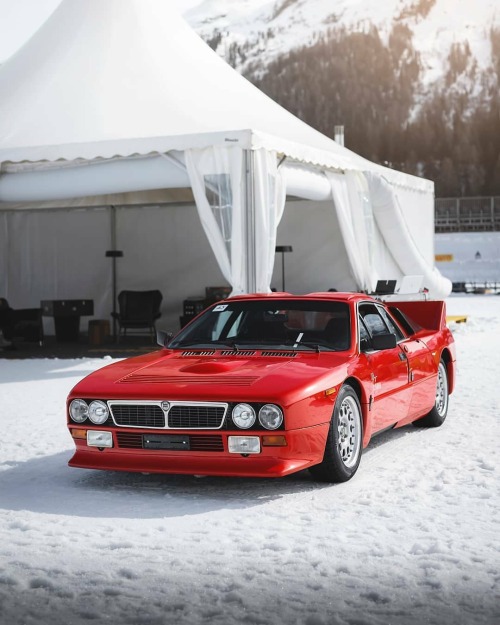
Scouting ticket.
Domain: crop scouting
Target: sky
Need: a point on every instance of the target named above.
(21, 18)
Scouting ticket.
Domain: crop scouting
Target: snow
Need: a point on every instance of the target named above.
(411, 539)
(446, 24)
(474, 256)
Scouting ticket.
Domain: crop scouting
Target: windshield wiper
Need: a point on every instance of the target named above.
(236, 347)
(309, 344)
(208, 344)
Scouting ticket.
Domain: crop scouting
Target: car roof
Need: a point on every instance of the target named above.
(335, 296)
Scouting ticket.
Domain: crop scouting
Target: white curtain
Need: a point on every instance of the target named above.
(398, 238)
(270, 197)
(216, 176)
(354, 213)
(219, 185)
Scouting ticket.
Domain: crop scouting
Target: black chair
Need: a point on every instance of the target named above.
(24, 324)
(139, 310)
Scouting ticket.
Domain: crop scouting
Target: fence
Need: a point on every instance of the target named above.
(467, 214)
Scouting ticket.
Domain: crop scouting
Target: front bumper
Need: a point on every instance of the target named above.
(305, 447)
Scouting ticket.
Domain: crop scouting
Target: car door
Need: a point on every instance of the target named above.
(389, 373)
(422, 377)
(422, 370)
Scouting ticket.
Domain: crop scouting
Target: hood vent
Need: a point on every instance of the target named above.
(231, 352)
(280, 354)
(207, 352)
(137, 378)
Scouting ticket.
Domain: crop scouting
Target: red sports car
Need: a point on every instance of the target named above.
(266, 385)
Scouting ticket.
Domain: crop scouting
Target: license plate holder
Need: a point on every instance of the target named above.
(169, 442)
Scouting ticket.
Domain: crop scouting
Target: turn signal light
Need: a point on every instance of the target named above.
(78, 433)
(273, 441)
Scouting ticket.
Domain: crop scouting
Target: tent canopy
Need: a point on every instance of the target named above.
(121, 96)
(107, 78)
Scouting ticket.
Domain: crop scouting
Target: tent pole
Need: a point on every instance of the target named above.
(249, 223)
(113, 264)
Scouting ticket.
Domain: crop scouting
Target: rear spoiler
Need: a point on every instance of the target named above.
(429, 315)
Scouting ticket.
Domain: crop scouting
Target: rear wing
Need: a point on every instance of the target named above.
(427, 315)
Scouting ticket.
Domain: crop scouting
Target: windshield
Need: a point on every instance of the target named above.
(283, 324)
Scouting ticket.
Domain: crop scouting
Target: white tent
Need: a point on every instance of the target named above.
(119, 102)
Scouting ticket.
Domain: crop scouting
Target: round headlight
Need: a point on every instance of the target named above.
(244, 416)
(270, 417)
(98, 412)
(78, 410)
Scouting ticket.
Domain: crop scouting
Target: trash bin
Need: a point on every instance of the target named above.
(99, 331)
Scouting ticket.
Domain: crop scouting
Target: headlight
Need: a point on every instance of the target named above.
(98, 412)
(270, 417)
(244, 416)
(78, 410)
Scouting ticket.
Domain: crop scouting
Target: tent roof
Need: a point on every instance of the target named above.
(106, 78)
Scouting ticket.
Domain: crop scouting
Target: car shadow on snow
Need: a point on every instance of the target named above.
(47, 485)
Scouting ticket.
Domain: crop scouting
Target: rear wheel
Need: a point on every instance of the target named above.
(345, 440)
(437, 415)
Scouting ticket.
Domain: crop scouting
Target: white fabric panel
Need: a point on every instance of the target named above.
(59, 254)
(319, 259)
(352, 216)
(270, 197)
(305, 182)
(399, 240)
(56, 255)
(216, 176)
(218, 173)
(139, 198)
(165, 248)
(417, 209)
(94, 178)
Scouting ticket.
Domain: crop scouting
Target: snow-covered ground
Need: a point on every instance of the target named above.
(472, 256)
(412, 539)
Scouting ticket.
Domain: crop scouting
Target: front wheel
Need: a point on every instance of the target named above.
(344, 443)
(437, 415)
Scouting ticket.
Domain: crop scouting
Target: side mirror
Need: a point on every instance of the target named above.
(384, 341)
(163, 338)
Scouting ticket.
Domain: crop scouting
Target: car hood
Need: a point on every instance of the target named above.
(261, 376)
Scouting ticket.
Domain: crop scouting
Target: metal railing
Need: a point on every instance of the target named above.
(467, 214)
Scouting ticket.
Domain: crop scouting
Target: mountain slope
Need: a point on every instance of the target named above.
(415, 82)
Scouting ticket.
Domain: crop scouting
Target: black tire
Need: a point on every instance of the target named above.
(344, 444)
(437, 415)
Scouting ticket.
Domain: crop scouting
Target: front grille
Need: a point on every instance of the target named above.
(131, 440)
(206, 443)
(195, 417)
(138, 415)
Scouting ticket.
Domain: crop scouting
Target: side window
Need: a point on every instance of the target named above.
(374, 323)
(371, 323)
(364, 337)
(391, 325)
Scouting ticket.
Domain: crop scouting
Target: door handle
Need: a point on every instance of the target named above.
(402, 356)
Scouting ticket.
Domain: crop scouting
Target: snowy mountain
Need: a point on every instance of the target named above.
(267, 29)
(414, 82)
